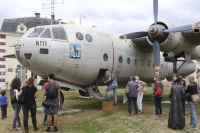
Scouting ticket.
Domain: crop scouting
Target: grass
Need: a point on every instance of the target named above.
(93, 120)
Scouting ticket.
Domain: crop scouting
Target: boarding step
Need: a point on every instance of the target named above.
(108, 106)
(95, 94)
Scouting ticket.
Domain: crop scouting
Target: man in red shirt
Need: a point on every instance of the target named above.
(52, 93)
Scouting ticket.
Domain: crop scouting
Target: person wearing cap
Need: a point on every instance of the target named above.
(176, 118)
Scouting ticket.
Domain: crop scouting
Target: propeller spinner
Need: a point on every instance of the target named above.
(157, 33)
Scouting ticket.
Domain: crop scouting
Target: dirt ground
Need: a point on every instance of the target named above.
(93, 120)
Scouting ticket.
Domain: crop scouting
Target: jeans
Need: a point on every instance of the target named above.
(193, 117)
(134, 99)
(139, 100)
(32, 109)
(17, 108)
(157, 101)
(114, 88)
(4, 111)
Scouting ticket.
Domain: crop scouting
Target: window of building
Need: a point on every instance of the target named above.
(44, 51)
(128, 60)
(105, 57)
(59, 33)
(79, 36)
(88, 38)
(21, 73)
(28, 55)
(36, 32)
(10, 69)
(46, 34)
(120, 59)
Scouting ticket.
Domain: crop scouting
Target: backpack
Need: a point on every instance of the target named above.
(52, 91)
(158, 91)
(13, 96)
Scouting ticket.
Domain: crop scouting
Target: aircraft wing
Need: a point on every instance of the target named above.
(193, 35)
(142, 43)
(10, 56)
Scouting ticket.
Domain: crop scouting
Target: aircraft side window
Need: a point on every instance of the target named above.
(120, 59)
(148, 63)
(46, 34)
(88, 38)
(142, 63)
(62, 33)
(79, 36)
(136, 61)
(36, 32)
(105, 57)
(128, 60)
(44, 51)
(59, 33)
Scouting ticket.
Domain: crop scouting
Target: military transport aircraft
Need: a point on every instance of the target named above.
(79, 55)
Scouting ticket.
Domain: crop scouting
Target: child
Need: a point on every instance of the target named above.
(3, 104)
(45, 117)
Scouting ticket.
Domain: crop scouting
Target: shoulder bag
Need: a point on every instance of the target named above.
(21, 98)
(195, 97)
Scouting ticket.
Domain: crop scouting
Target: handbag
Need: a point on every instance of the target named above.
(195, 97)
(21, 98)
(127, 90)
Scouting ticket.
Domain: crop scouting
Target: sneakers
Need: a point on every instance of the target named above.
(107, 100)
(193, 127)
(35, 129)
(48, 129)
(55, 130)
(156, 117)
(44, 123)
(114, 104)
(16, 129)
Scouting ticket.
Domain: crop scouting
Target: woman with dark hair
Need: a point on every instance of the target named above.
(30, 105)
(14, 90)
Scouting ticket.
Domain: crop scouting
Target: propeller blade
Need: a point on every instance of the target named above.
(156, 57)
(181, 28)
(134, 35)
(155, 10)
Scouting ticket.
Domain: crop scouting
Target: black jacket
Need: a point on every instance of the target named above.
(191, 90)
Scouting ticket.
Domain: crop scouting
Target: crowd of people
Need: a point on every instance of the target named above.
(134, 90)
(179, 93)
(51, 92)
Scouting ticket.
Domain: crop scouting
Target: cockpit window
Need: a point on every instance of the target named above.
(59, 33)
(46, 34)
(36, 32)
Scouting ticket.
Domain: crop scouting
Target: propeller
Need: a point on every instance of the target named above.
(158, 34)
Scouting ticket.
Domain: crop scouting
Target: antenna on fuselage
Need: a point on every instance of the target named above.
(53, 2)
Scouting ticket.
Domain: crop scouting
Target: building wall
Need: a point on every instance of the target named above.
(2, 60)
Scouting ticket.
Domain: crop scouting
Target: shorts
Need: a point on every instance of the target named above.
(53, 109)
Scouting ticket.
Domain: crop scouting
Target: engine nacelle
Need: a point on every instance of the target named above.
(170, 41)
(187, 68)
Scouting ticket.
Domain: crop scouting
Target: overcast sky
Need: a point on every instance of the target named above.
(118, 16)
